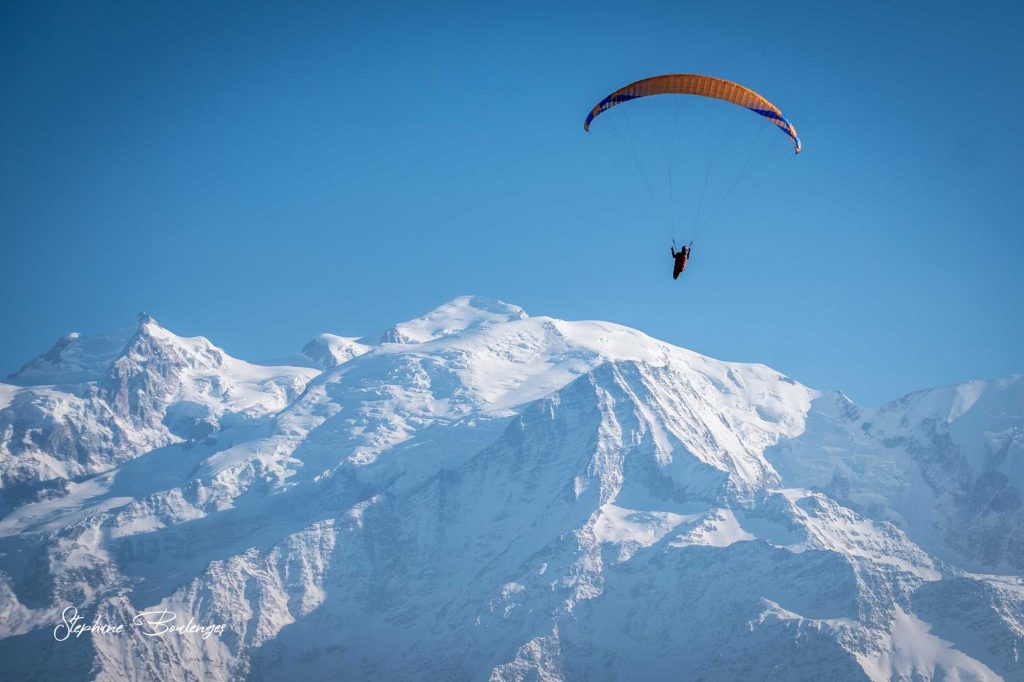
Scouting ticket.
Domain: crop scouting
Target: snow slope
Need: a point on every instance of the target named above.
(479, 494)
(947, 465)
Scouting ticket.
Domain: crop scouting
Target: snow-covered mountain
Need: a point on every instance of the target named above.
(331, 350)
(480, 494)
(90, 403)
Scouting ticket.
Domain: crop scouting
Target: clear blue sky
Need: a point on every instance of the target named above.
(259, 173)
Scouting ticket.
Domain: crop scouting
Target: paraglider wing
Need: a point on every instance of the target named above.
(703, 86)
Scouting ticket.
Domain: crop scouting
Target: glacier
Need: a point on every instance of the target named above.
(478, 494)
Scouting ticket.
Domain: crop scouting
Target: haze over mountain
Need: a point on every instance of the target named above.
(481, 494)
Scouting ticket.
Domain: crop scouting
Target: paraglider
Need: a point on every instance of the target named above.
(679, 257)
(700, 86)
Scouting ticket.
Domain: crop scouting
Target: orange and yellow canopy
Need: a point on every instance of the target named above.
(703, 86)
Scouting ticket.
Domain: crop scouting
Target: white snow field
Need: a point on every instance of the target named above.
(478, 494)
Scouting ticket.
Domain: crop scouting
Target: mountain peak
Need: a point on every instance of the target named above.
(75, 358)
(145, 319)
(331, 350)
(81, 358)
(455, 316)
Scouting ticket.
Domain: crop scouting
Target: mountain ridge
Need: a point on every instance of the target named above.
(485, 494)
